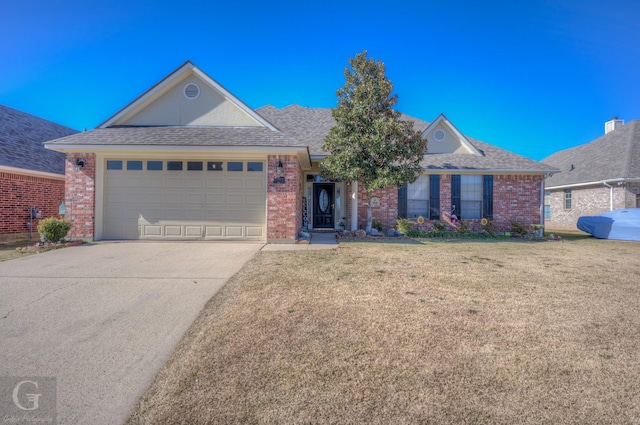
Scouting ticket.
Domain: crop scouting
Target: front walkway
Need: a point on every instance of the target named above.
(319, 240)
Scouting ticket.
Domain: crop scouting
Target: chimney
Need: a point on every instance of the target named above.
(614, 124)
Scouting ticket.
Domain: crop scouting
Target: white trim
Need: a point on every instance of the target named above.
(595, 183)
(34, 173)
(172, 80)
(95, 148)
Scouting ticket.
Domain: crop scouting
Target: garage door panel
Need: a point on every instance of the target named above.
(163, 204)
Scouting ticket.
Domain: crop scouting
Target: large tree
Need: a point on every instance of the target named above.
(370, 144)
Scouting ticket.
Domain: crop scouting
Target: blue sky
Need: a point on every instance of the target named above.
(532, 77)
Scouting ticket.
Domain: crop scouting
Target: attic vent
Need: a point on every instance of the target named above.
(439, 135)
(191, 91)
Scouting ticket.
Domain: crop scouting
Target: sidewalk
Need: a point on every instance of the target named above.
(319, 240)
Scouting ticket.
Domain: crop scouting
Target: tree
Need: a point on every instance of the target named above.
(370, 144)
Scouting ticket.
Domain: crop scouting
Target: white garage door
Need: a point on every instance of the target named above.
(180, 199)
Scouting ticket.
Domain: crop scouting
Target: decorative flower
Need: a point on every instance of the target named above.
(420, 220)
(484, 221)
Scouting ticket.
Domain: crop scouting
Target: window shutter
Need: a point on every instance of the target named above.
(402, 202)
(455, 194)
(434, 192)
(487, 197)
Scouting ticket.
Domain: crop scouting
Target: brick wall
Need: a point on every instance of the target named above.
(284, 200)
(589, 200)
(387, 212)
(20, 192)
(80, 194)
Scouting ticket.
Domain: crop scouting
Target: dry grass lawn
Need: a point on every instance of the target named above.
(445, 333)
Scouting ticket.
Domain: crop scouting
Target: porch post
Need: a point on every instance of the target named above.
(354, 206)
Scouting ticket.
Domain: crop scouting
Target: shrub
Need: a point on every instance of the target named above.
(463, 226)
(377, 225)
(53, 230)
(518, 229)
(439, 226)
(404, 225)
(488, 226)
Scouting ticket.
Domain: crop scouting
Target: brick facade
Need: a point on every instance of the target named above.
(284, 199)
(80, 194)
(387, 212)
(20, 192)
(589, 200)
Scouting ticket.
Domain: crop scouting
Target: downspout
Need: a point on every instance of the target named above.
(610, 194)
(354, 206)
(546, 175)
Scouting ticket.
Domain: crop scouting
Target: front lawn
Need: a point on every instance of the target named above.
(438, 332)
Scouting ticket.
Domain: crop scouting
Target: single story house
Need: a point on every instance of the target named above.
(189, 160)
(31, 177)
(602, 175)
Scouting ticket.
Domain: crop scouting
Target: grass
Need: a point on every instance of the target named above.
(8, 250)
(447, 332)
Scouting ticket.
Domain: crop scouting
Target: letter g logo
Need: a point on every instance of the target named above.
(33, 398)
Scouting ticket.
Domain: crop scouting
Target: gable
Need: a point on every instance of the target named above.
(444, 138)
(187, 97)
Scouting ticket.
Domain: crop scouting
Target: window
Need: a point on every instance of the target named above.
(214, 166)
(471, 197)
(567, 199)
(194, 166)
(418, 198)
(174, 165)
(114, 165)
(547, 204)
(134, 165)
(235, 166)
(254, 166)
(154, 165)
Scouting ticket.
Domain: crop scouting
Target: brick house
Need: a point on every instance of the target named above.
(596, 177)
(188, 160)
(31, 177)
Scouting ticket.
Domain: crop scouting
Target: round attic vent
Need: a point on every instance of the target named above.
(191, 91)
(439, 135)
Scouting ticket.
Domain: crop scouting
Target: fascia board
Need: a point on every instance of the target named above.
(27, 172)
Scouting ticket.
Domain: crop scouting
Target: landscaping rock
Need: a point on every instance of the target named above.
(374, 232)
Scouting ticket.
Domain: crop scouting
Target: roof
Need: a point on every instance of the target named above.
(22, 138)
(615, 155)
(311, 126)
(179, 136)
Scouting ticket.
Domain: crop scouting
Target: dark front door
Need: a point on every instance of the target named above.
(323, 206)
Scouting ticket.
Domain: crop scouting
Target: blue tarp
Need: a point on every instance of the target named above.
(618, 224)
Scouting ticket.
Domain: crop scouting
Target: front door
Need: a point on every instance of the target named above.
(323, 206)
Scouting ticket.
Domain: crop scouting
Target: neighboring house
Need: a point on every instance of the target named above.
(31, 177)
(189, 160)
(596, 177)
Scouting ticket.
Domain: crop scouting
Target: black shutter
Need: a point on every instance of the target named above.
(455, 194)
(434, 194)
(487, 197)
(402, 202)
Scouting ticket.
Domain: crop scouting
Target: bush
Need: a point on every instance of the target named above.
(439, 226)
(518, 229)
(488, 226)
(404, 225)
(463, 227)
(377, 225)
(53, 230)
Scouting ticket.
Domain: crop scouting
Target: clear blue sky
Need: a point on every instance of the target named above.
(532, 77)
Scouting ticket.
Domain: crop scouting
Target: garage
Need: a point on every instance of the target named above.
(184, 199)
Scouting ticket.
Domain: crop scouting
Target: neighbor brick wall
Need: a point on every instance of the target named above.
(387, 212)
(80, 195)
(18, 193)
(589, 200)
(284, 200)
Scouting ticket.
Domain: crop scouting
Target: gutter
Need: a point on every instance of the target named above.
(595, 183)
(604, 182)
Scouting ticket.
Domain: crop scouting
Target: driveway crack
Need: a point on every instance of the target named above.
(41, 298)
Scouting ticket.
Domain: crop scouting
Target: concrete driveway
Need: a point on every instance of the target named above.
(102, 319)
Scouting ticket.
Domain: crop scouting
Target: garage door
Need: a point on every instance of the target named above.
(180, 199)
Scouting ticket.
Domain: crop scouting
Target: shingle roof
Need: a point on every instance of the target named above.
(22, 138)
(611, 156)
(313, 124)
(181, 136)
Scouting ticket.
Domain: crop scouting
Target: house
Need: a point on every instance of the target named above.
(602, 175)
(189, 160)
(31, 177)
